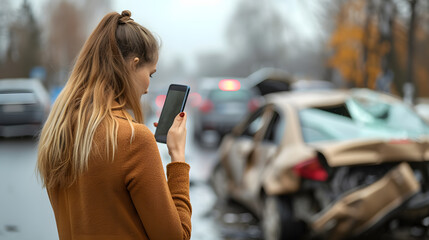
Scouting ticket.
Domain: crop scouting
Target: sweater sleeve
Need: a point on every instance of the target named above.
(164, 208)
(178, 183)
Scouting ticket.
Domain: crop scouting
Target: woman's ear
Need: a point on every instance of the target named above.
(134, 62)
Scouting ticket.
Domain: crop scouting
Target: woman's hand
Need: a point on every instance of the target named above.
(176, 138)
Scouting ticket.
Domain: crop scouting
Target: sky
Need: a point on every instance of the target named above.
(188, 28)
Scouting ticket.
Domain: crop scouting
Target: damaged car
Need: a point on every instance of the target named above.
(334, 164)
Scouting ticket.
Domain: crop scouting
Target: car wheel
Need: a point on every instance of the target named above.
(278, 221)
(197, 135)
(219, 183)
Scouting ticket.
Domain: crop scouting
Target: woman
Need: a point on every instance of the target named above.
(102, 167)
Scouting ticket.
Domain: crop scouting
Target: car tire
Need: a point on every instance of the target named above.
(197, 135)
(278, 222)
(219, 183)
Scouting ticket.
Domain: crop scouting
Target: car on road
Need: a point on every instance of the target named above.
(272, 80)
(269, 80)
(24, 106)
(224, 103)
(332, 163)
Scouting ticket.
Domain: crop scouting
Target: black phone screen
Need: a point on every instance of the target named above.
(173, 105)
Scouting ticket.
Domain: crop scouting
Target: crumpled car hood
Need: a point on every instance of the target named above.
(373, 151)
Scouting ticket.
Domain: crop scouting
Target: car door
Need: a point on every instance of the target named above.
(266, 144)
(242, 145)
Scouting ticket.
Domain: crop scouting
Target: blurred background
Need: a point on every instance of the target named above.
(224, 50)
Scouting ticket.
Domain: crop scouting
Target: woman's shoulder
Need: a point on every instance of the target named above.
(135, 141)
(127, 128)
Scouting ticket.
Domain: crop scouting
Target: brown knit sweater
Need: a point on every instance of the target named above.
(128, 198)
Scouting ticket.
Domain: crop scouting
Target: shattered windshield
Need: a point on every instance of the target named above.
(375, 110)
(371, 115)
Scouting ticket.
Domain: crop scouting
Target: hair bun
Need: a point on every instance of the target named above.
(125, 17)
(126, 13)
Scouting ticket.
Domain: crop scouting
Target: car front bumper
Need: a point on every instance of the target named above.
(20, 130)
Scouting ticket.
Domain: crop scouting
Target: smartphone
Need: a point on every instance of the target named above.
(173, 105)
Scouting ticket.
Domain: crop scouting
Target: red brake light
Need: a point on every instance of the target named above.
(207, 106)
(229, 85)
(160, 99)
(195, 99)
(311, 169)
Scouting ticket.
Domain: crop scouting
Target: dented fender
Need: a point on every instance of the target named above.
(279, 177)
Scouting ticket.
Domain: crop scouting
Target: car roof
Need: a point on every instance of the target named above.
(270, 73)
(19, 83)
(32, 84)
(270, 80)
(320, 98)
(209, 83)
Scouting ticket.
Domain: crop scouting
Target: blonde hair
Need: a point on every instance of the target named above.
(100, 77)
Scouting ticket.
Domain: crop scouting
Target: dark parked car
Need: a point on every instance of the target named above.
(24, 106)
(224, 103)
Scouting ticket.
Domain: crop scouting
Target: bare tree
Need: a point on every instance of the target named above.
(256, 36)
(398, 46)
(68, 24)
(23, 50)
(212, 64)
(5, 19)
(261, 34)
(65, 38)
(410, 86)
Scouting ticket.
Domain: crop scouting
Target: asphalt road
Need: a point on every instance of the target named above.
(25, 211)
(26, 214)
